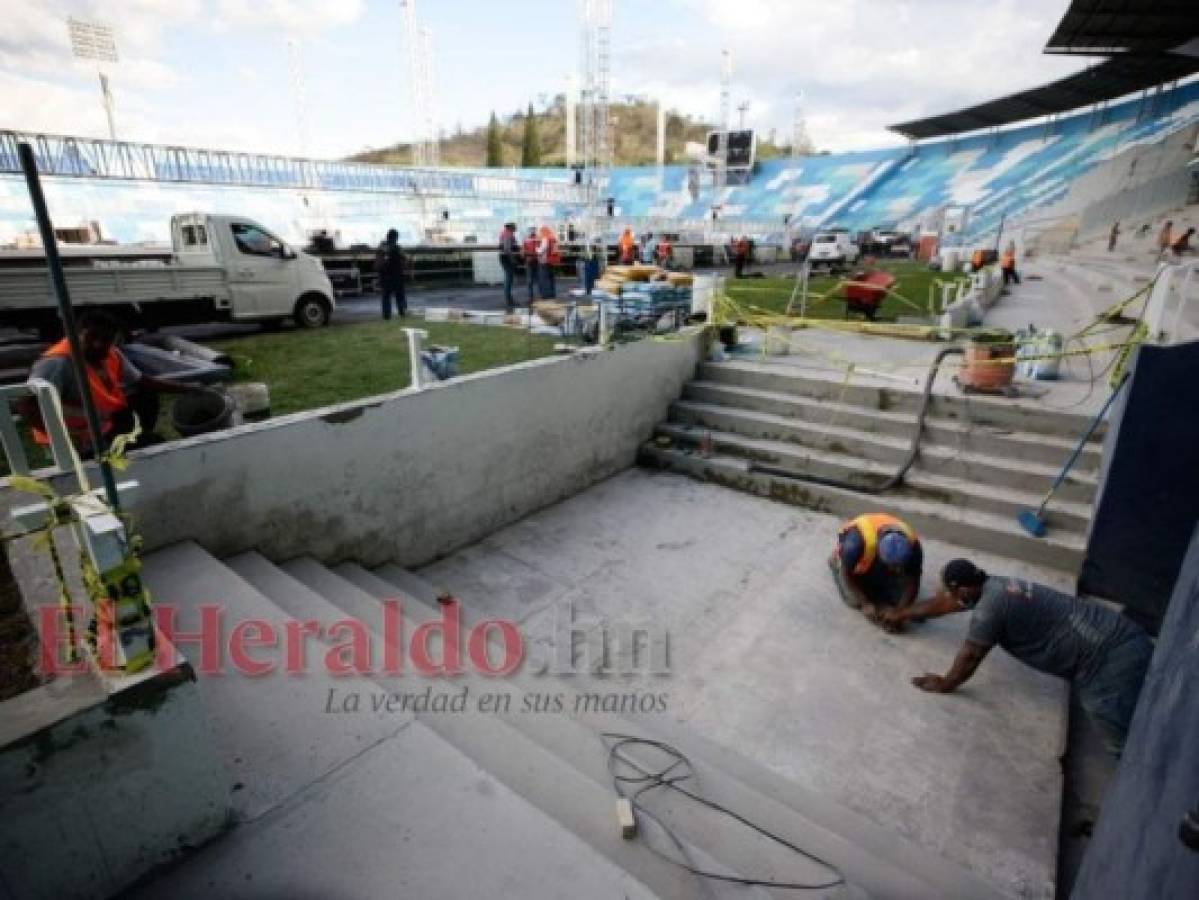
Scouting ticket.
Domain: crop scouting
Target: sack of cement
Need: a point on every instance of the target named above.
(253, 400)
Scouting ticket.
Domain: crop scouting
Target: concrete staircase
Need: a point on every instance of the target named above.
(981, 460)
(438, 805)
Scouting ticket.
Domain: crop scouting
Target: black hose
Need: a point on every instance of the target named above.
(892, 481)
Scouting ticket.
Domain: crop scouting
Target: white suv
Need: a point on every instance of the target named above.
(833, 249)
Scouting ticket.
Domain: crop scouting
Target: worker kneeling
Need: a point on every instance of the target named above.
(119, 389)
(1105, 654)
(877, 564)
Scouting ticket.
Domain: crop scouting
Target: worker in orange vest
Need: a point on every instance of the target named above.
(547, 258)
(628, 247)
(120, 390)
(1007, 264)
(664, 252)
(528, 250)
(876, 564)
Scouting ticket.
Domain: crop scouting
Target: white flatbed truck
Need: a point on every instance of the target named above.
(222, 268)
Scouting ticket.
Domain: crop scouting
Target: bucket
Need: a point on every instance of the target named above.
(980, 373)
(202, 412)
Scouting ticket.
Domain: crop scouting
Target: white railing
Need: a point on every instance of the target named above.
(63, 451)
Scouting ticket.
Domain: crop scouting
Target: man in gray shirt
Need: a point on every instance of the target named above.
(1105, 654)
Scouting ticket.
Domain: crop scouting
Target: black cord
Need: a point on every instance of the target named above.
(888, 482)
(683, 769)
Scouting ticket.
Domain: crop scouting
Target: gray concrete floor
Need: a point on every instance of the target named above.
(767, 661)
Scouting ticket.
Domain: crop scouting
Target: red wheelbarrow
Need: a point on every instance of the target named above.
(865, 291)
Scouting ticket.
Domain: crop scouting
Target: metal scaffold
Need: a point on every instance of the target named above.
(418, 45)
(60, 156)
(596, 157)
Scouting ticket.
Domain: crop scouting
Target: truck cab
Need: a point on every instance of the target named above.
(833, 249)
(268, 279)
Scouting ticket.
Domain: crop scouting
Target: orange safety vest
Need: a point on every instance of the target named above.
(107, 394)
(529, 248)
(872, 526)
(1008, 261)
(664, 250)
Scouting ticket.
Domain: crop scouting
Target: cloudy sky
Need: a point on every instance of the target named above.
(216, 72)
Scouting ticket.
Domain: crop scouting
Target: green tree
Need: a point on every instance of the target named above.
(495, 147)
(530, 147)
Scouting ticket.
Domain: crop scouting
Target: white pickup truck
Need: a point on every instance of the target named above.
(223, 268)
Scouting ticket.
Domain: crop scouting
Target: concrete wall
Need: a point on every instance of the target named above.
(412, 475)
(1136, 851)
(1149, 485)
(99, 788)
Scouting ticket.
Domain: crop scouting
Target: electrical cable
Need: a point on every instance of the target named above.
(647, 780)
(896, 478)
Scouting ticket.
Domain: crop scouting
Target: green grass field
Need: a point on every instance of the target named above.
(771, 295)
(308, 369)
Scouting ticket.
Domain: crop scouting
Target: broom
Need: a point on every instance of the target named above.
(1033, 520)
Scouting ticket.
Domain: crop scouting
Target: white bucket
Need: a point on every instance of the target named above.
(949, 259)
(778, 340)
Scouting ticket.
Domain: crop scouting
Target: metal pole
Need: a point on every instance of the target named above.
(67, 313)
(108, 106)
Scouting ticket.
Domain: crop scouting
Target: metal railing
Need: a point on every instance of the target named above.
(65, 156)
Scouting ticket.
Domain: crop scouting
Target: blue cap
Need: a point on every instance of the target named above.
(894, 549)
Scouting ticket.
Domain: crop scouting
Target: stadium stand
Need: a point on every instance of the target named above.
(1006, 175)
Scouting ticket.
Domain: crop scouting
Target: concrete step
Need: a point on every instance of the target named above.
(1068, 515)
(876, 861)
(960, 434)
(982, 468)
(1061, 550)
(270, 731)
(581, 804)
(1013, 415)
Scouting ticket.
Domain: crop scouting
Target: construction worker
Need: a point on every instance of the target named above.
(119, 389)
(740, 256)
(1103, 652)
(547, 257)
(664, 252)
(528, 250)
(1007, 264)
(509, 252)
(1113, 236)
(877, 562)
(390, 263)
(1165, 238)
(1182, 244)
(628, 247)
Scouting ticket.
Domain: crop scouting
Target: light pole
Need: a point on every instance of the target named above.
(96, 42)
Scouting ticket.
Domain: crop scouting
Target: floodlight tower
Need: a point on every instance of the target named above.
(596, 78)
(96, 42)
(418, 45)
(722, 142)
(429, 84)
(799, 130)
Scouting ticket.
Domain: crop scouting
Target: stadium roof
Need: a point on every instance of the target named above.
(1110, 27)
(1105, 81)
(1149, 42)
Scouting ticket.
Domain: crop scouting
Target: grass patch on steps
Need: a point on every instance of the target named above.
(771, 295)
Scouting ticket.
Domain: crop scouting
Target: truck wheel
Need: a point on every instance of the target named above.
(312, 311)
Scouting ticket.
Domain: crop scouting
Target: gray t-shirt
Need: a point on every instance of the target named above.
(1050, 631)
(57, 370)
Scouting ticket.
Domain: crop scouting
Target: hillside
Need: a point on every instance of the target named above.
(634, 127)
